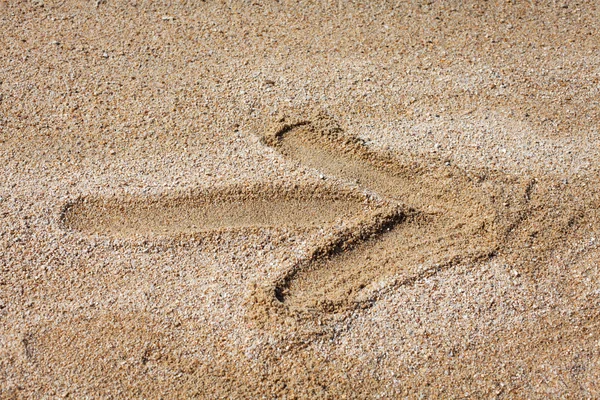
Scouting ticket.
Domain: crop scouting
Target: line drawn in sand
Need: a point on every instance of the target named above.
(227, 208)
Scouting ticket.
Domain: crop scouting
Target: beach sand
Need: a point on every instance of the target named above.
(266, 199)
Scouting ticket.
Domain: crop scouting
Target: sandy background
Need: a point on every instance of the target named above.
(140, 99)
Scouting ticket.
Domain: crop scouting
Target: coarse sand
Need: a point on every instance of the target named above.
(315, 199)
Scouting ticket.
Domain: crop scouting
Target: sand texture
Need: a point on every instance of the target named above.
(260, 199)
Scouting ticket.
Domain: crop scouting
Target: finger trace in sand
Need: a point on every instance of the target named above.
(211, 211)
(454, 220)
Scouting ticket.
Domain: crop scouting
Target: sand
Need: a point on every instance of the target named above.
(299, 200)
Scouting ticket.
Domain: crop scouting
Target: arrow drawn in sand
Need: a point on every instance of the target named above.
(432, 216)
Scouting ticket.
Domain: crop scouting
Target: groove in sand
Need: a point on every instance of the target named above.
(247, 208)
